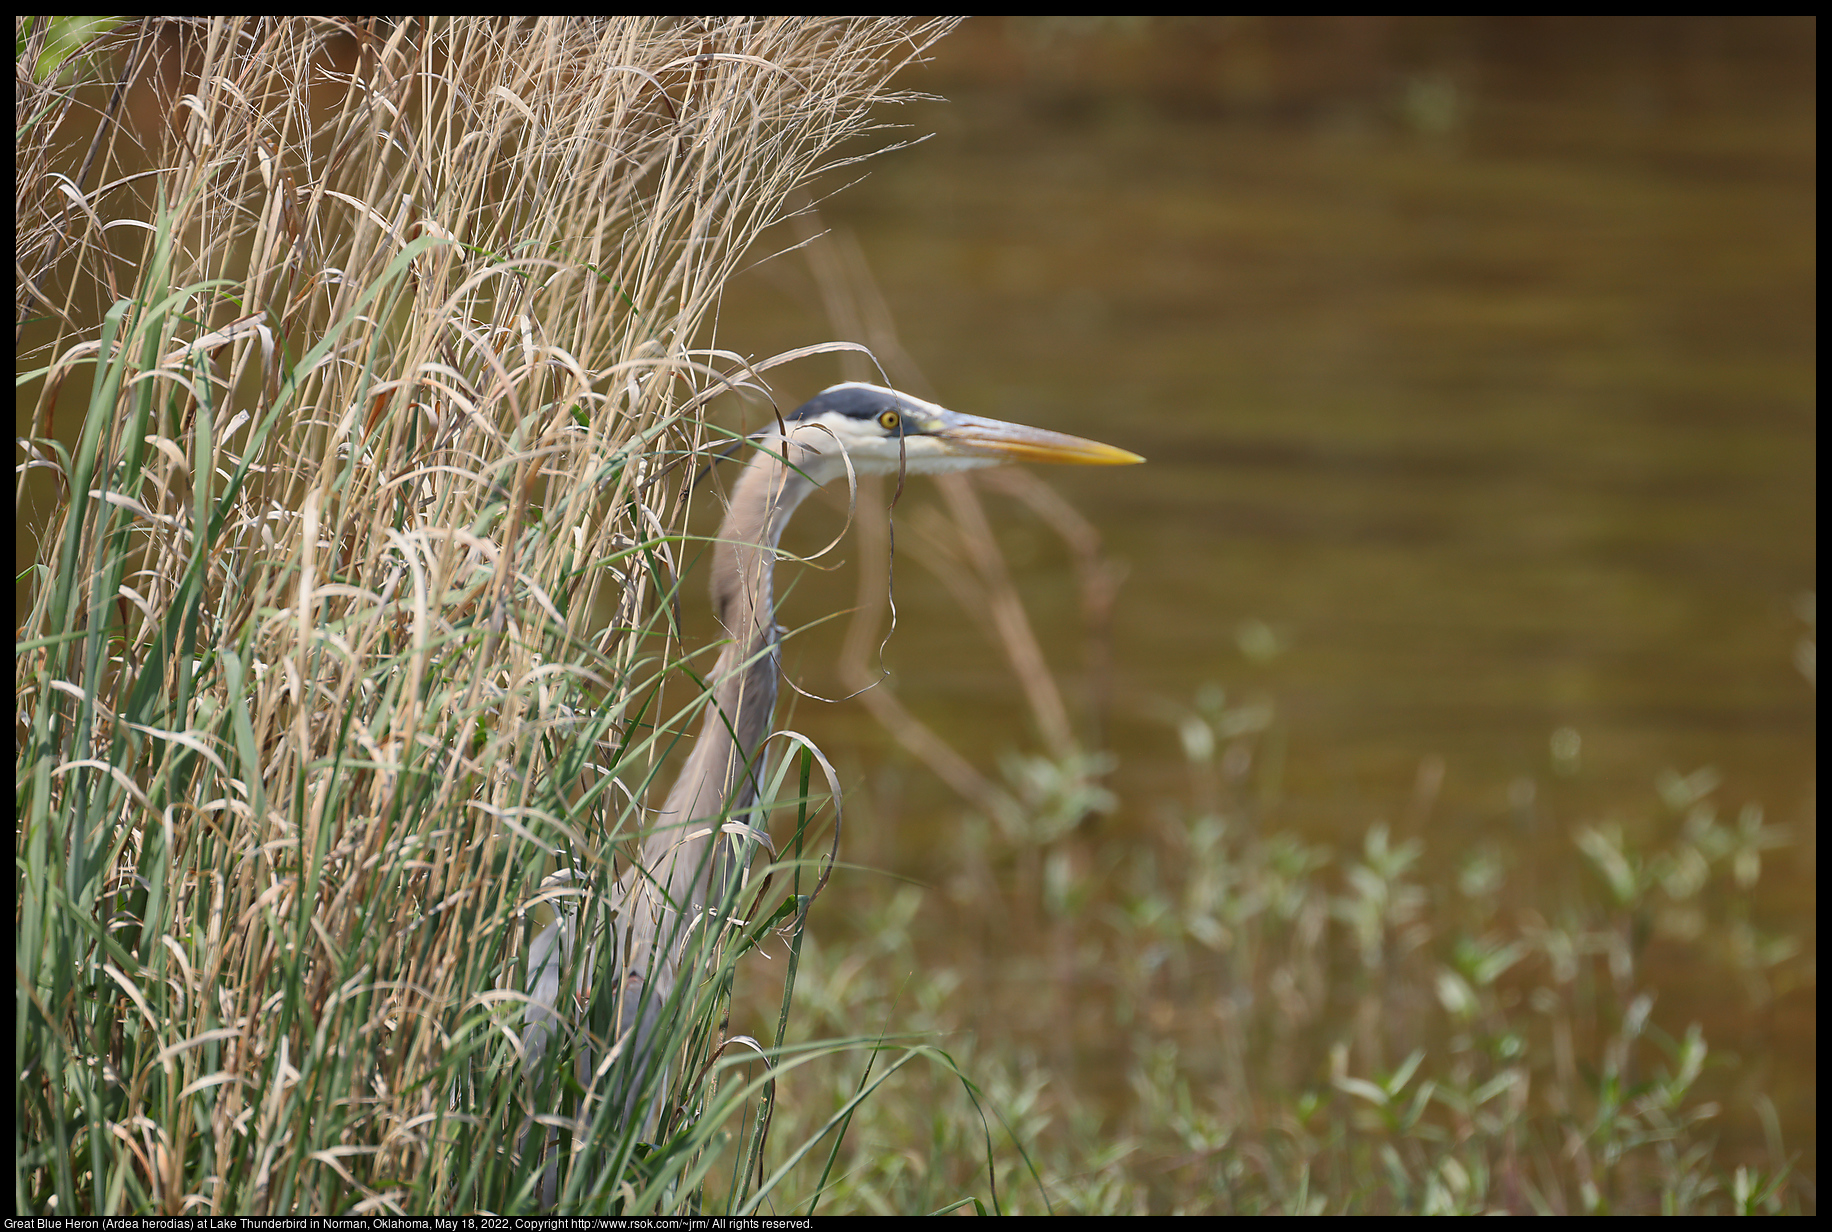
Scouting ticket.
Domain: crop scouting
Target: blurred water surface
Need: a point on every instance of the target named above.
(1474, 361)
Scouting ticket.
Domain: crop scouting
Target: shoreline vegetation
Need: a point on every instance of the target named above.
(363, 376)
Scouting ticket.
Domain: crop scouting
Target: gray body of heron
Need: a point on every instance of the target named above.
(692, 856)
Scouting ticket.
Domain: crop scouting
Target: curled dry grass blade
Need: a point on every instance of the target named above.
(357, 364)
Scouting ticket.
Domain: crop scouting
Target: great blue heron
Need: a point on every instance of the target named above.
(690, 859)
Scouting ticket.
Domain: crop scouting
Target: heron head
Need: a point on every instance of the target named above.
(883, 432)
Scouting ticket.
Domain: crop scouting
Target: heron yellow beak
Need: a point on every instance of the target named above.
(971, 436)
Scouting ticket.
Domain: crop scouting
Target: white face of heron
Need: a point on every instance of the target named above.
(882, 432)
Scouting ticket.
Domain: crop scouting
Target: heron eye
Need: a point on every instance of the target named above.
(889, 420)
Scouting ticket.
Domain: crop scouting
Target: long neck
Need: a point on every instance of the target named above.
(722, 774)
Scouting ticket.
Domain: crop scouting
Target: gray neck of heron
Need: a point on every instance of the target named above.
(723, 774)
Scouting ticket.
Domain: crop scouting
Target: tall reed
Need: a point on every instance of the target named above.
(367, 363)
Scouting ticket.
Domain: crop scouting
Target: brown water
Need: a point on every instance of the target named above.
(1475, 359)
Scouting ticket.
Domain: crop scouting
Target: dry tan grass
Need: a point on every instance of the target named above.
(362, 359)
